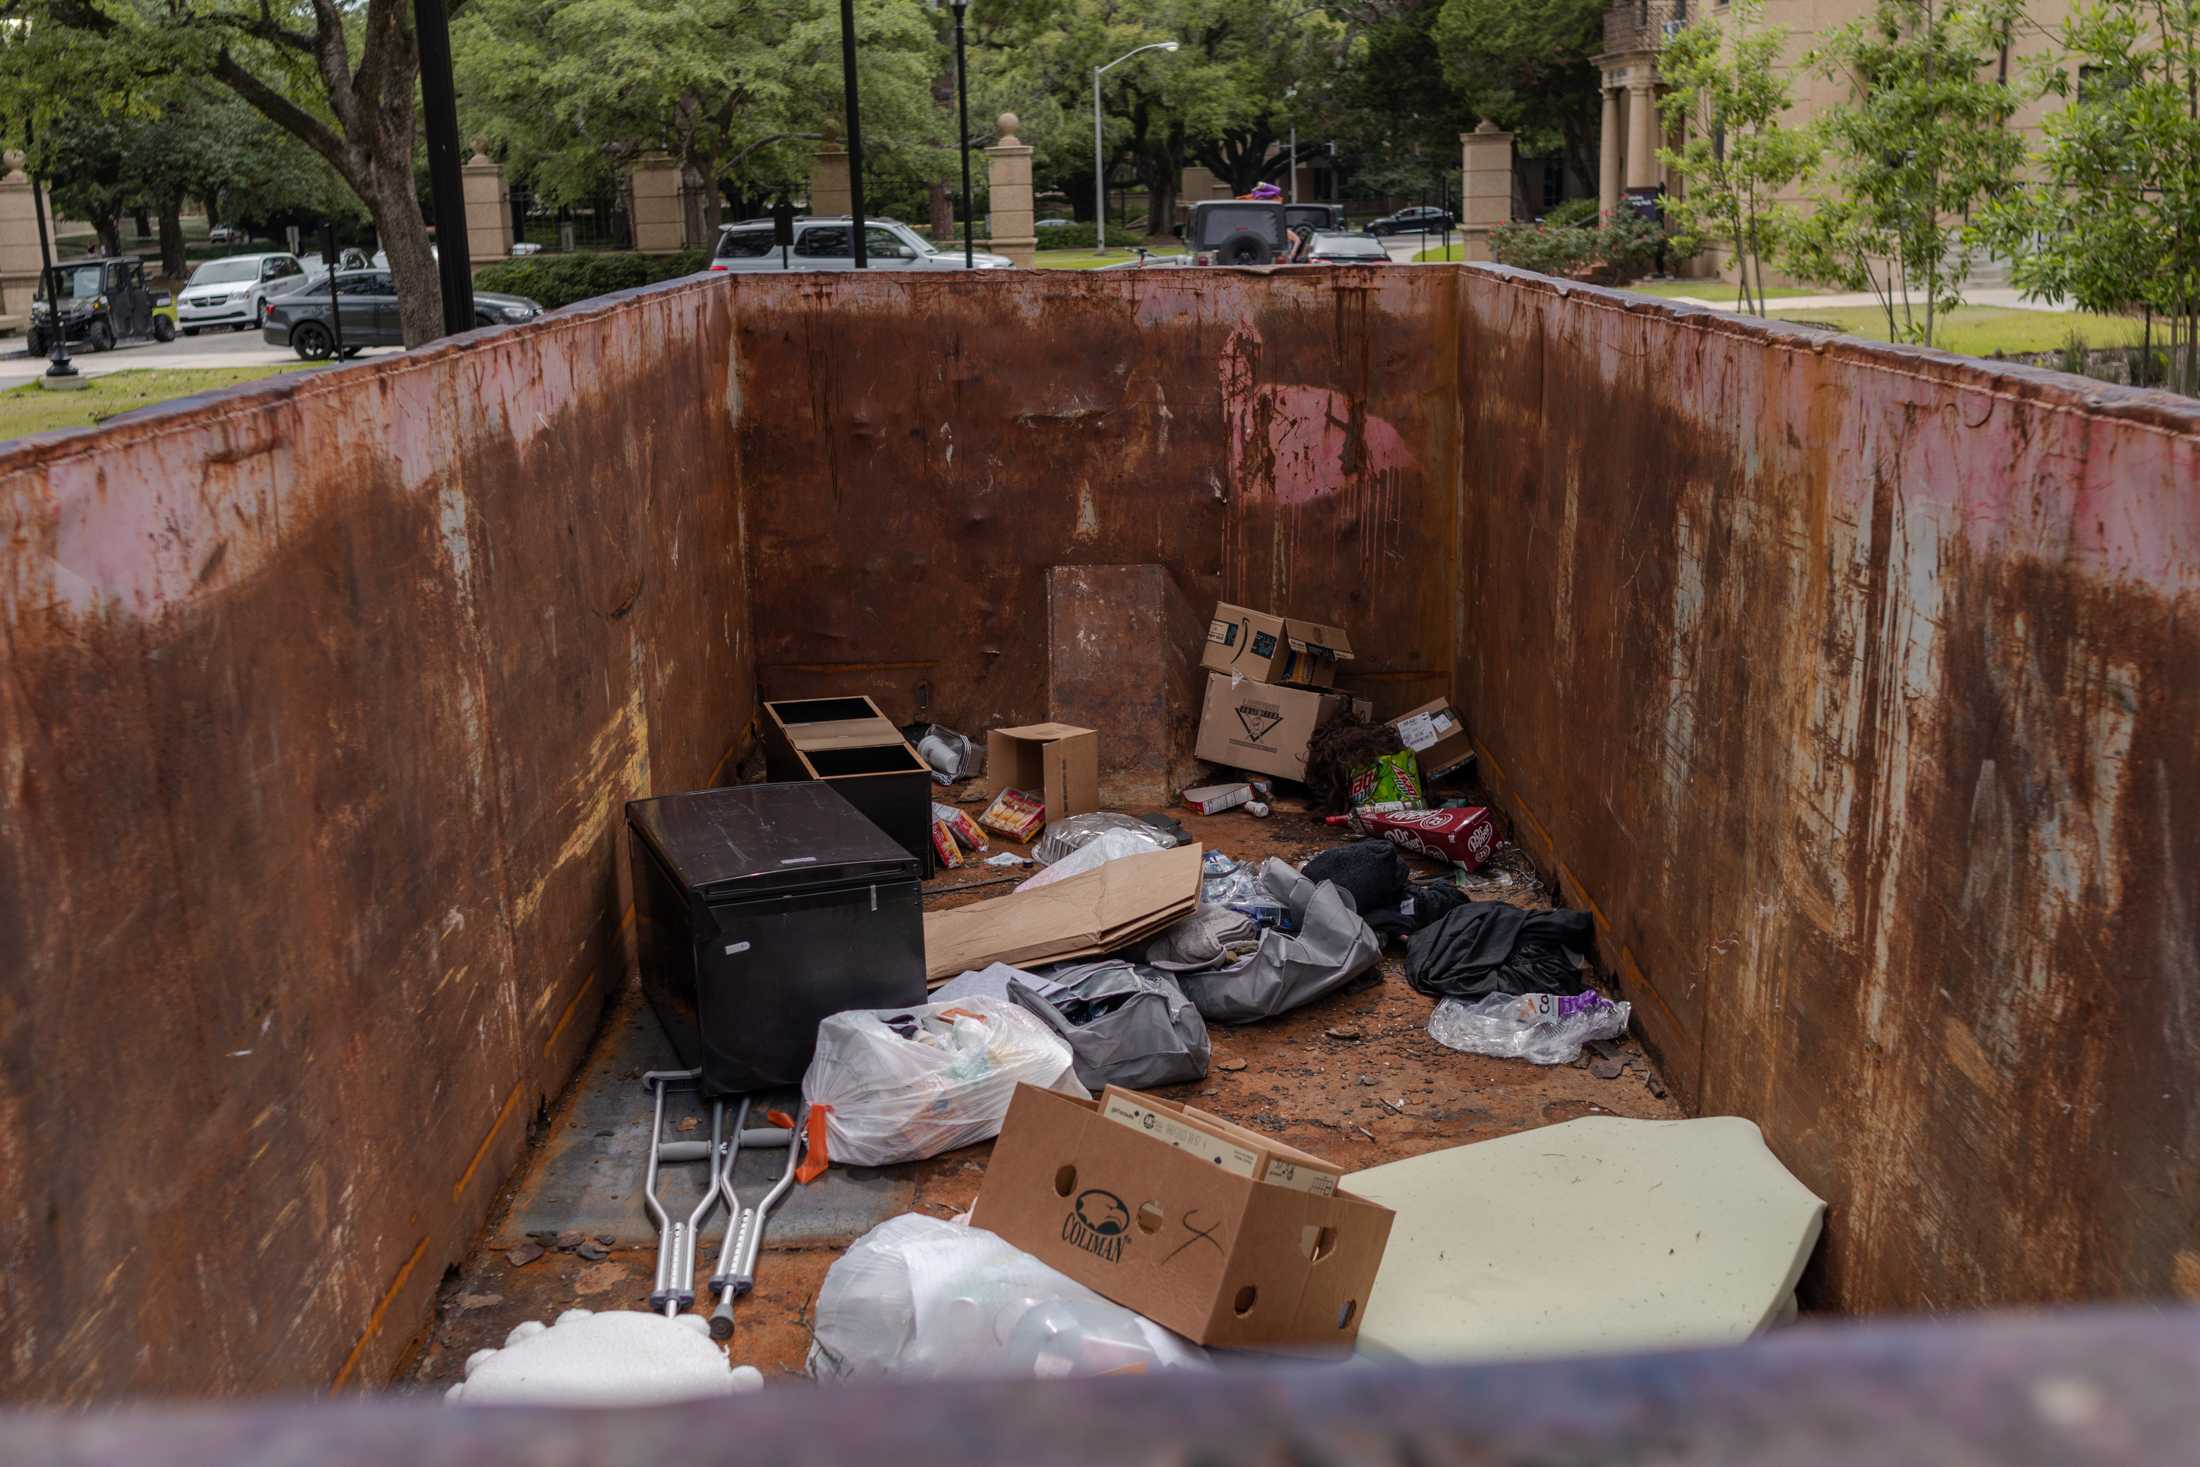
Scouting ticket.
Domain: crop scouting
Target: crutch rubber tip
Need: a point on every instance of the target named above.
(721, 1326)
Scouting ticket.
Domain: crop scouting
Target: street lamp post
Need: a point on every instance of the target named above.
(1099, 169)
(446, 181)
(962, 125)
(855, 133)
(60, 373)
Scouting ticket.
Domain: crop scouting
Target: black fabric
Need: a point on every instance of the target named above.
(1424, 903)
(1372, 872)
(1492, 947)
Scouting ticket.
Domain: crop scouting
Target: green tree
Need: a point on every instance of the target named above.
(573, 91)
(1725, 95)
(2112, 222)
(340, 78)
(1524, 65)
(1923, 140)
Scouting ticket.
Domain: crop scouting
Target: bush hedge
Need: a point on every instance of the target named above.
(1624, 250)
(1573, 211)
(560, 280)
(1074, 236)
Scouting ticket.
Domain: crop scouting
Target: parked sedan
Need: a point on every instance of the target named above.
(367, 315)
(1413, 221)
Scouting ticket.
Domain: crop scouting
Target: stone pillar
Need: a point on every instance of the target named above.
(829, 191)
(1642, 135)
(488, 210)
(1008, 171)
(653, 203)
(1608, 156)
(19, 258)
(1485, 187)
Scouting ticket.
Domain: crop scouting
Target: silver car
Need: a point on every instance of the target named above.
(227, 292)
(828, 243)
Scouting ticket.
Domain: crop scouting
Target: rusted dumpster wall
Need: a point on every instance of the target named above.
(1855, 688)
(918, 450)
(320, 703)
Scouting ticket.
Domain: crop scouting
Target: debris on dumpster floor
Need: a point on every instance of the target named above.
(952, 756)
(904, 1084)
(1213, 799)
(1493, 947)
(925, 1298)
(1089, 915)
(618, 1358)
(1678, 1233)
(1542, 1028)
(1239, 968)
(1463, 834)
(1065, 837)
(1127, 1024)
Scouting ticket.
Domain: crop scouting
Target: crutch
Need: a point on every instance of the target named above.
(736, 1271)
(674, 1287)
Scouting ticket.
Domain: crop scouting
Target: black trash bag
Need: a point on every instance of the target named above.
(1125, 1024)
(1373, 871)
(1424, 904)
(1483, 948)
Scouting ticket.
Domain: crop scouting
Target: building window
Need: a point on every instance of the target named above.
(1718, 142)
(1642, 14)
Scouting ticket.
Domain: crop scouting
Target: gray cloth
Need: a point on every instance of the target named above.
(1236, 972)
(1125, 1024)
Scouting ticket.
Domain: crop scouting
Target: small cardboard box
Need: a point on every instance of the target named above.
(1225, 1143)
(1220, 1258)
(1274, 649)
(1258, 726)
(1437, 737)
(1057, 760)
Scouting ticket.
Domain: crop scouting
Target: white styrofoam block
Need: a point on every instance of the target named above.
(621, 1358)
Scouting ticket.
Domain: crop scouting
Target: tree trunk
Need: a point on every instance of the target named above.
(142, 225)
(1160, 198)
(172, 262)
(942, 192)
(109, 231)
(395, 211)
(942, 210)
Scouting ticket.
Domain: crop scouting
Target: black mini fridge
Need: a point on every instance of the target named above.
(761, 909)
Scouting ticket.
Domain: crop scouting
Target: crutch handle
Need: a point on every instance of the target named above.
(683, 1151)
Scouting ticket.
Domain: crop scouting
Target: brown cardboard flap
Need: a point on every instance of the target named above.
(1084, 915)
(846, 733)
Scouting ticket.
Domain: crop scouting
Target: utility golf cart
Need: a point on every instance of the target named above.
(103, 300)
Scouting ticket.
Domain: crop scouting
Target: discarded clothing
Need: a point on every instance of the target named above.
(1237, 970)
(1424, 904)
(1125, 1024)
(1373, 871)
(1493, 947)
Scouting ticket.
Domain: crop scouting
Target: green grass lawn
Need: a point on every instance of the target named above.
(1437, 254)
(1715, 290)
(1980, 331)
(31, 408)
(1088, 259)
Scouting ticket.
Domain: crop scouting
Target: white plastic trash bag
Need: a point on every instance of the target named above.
(1108, 845)
(903, 1084)
(921, 1297)
(1542, 1028)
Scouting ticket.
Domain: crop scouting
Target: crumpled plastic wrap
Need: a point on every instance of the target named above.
(904, 1084)
(1108, 845)
(1542, 1028)
(1072, 831)
(925, 1298)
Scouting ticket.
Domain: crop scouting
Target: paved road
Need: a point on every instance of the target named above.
(213, 349)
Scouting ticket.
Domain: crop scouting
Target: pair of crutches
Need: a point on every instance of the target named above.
(673, 1290)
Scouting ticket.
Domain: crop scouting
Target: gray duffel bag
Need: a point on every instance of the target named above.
(1125, 1024)
(1237, 972)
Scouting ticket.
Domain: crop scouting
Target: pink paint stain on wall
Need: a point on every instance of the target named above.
(1300, 443)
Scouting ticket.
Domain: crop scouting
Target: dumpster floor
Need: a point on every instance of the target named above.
(1353, 1077)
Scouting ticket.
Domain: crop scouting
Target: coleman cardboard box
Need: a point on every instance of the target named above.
(1258, 726)
(1436, 736)
(1274, 649)
(1219, 1256)
(1057, 761)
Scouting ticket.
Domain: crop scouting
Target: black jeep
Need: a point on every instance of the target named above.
(1253, 231)
(103, 300)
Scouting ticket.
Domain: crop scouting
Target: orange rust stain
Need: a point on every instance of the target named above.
(389, 1297)
(571, 1006)
(459, 1186)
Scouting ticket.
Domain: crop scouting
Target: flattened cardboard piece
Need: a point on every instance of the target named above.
(1221, 1259)
(1113, 906)
(1258, 726)
(1057, 760)
(1274, 649)
(1437, 736)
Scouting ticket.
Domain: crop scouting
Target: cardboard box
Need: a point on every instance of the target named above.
(1274, 649)
(1437, 736)
(1225, 1143)
(1213, 799)
(1220, 1258)
(1259, 726)
(1100, 911)
(1057, 760)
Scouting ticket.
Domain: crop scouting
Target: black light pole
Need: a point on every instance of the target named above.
(962, 109)
(61, 367)
(335, 307)
(439, 113)
(855, 126)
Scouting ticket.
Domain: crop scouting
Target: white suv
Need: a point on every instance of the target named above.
(226, 292)
(828, 244)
